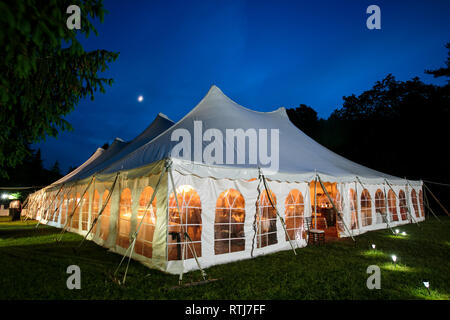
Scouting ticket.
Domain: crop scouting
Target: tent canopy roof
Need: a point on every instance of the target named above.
(101, 159)
(300, 157)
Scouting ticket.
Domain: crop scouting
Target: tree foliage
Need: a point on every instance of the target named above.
(444, 71)
(44, 71)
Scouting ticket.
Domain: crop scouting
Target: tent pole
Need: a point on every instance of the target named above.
(255, 229)
(334, 207)
(315, 202)
(278, 214)
(434, 197)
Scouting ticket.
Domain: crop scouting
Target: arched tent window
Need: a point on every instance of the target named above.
(144, 239)
(229, 222)
(422, 210)
(104, 218)
(354, 209)
(64, 208)
(189, 221)
(366, 208)
(95, 210)
(380, 206)
(56, 208)
(402, 204)
(124, 220)
(75, 220)
(85, 212)
(414, 202)
(50, 206)
(338, 203)
(294, 210)
(392, 205)
(266, 220)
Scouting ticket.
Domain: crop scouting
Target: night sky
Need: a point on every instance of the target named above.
(262, 54)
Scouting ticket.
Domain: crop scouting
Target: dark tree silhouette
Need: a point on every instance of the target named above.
(444, 71)
(44, 71)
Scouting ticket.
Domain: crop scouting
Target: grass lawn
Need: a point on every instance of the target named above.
(33, 266)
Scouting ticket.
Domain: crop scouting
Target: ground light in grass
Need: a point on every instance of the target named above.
(397, 268)
(426, 283)
(394, 258)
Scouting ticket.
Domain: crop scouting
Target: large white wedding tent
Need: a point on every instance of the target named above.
(222, 184)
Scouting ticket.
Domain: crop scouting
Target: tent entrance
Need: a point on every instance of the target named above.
(324, 217)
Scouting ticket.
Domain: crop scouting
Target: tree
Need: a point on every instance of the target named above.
(56, 169)
(71, 168)
(444, 71)
(105, 146)
(44, 71)
(305, 118)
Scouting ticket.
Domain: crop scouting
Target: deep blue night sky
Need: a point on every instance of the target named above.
(262, 54)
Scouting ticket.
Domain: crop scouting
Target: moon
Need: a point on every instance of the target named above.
(140, 98)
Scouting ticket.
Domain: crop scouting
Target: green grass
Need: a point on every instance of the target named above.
(33, 266)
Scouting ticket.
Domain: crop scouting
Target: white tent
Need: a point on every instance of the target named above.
(219, 156)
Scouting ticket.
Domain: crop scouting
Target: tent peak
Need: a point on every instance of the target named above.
(119, 139)
(162, 115)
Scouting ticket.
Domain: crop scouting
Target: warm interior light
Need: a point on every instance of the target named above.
(184, 189)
